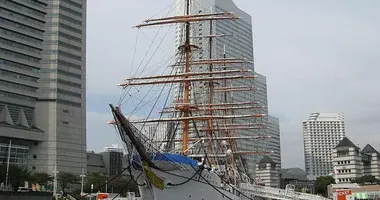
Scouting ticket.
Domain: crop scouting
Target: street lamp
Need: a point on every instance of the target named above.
(55, 172)
(106, 186)
(82, 176)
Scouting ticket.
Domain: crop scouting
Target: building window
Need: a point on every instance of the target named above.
(18, 154)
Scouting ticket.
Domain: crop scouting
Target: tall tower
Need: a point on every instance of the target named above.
(62, 88)
(21, 37)
(272, 123)
(274, 144)
(321, 134)
(237, 42)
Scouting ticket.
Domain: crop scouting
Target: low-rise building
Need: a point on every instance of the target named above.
(351, 163)
(357, 191)
(267, 172)
(371, 161)
(347, 161)
(111, 162)
(298, 178)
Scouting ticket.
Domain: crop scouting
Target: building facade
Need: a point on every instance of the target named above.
(274, 144)
(62, 88)
(156, 131)
(347, 162)
(371, 161)
(321, 133)
(267, 173)
(351, 163)
(111, 162)
(296, 177)
(272, 123)
(42, 82)
(21, 43)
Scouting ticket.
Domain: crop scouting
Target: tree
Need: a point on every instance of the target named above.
(367, 179)
(17, 175)
(97, 180)
(321, 184)
(42, 178)
(66, 179)
(120, 185)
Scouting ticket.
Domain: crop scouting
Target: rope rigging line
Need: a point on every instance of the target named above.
(146, 53)
(165, 103)
(126, 91)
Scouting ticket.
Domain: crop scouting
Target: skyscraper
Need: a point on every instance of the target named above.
(42, 83)
(272, 123)
(274, 144)
(321, 133)
(236, 42)
(21, 42)
(61, 106)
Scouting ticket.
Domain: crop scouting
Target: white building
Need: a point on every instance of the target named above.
(155, 131)
(267, 172)
(351, 163)
(371, 161)
(321, 133)
(347, 161)
(114, 148)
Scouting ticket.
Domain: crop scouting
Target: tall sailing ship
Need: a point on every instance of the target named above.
(197, 155)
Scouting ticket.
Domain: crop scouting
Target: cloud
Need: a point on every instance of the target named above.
(99, 133)
(111, 41)
(319, 57)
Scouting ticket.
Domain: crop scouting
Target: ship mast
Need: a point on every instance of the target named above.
(186, 92)
(220, 69)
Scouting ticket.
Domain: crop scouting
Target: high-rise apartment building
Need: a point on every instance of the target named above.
(21, 42)
(321, 133)
(61, 105)
(42, 83)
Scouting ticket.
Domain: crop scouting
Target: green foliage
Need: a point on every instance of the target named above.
(17, 175)
(321, 184)
(42, 178)
(94, 178)
(118, 185)
(367, 179)
(67, 179)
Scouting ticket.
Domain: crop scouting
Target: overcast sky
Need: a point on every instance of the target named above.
(317, 55)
